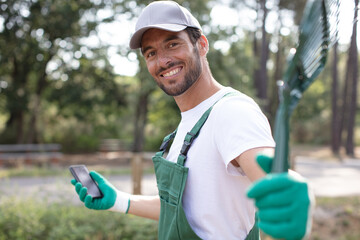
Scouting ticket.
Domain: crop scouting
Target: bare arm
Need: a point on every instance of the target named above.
(145, 206)
(247, 161)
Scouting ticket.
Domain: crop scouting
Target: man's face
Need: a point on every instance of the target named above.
(172, 60)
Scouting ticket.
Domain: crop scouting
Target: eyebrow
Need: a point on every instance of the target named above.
(143, 51)
(170, 38)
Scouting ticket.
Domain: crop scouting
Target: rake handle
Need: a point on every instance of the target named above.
(281, 136)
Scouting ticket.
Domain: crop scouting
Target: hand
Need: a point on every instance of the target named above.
(283, 203)
(112, 198)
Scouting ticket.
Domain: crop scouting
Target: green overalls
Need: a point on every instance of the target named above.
(171, 178)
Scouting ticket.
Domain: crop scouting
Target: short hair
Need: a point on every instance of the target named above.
(194, 34)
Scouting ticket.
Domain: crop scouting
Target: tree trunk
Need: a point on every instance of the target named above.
(147, 86)
(353, 55)
(335, 123)
(16, 104)
(33, 134)
(273, 94)
(256, 67)
(138, 146)
(262, 88)
(345, 101)
(140, 121)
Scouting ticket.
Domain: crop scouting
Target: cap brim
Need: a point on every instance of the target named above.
(135, 41)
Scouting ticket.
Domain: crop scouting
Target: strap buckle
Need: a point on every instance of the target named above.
(185, 148)
(187, 143)
(164, 145)
(166, 141)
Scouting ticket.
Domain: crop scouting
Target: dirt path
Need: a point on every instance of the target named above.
(331, 178)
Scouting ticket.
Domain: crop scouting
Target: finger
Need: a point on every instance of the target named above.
(279, 198)
(83, 193)
(88, 202)
(276, 214)
(273, 229)
(281, 230)
(78, 187)
(73, 182)
(270, 183)
(265, 162)
(97, 177)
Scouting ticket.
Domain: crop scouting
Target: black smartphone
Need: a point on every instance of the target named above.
(82, 175)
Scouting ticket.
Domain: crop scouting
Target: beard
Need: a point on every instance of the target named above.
(190, 77)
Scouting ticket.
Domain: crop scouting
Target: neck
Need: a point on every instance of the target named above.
(202, 89)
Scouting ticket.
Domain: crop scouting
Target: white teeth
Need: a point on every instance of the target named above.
(173, 72)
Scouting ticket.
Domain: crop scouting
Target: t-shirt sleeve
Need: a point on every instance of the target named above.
(239, 125)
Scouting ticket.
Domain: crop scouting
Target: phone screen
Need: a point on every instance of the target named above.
(81, 174)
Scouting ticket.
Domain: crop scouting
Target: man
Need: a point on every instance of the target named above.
(206, 179)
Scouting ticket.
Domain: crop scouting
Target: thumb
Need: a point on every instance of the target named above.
(265, 162)
(73, 182)
(97, 177)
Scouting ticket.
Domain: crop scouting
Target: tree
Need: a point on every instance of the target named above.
(261, 78)
(353, 81)
(348, 103)
(33, 33)
(146, 87)
(335, 123)
(260, 51)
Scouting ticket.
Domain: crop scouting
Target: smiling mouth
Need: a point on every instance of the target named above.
(172, 72)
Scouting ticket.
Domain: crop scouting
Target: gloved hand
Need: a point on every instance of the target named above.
(113, 199)
(284, 203)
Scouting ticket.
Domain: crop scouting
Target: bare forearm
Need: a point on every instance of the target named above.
(247, 161)
(145, 206)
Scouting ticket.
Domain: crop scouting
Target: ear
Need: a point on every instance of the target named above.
(204, 45)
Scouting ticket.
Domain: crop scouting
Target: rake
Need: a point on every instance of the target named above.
(318, 32)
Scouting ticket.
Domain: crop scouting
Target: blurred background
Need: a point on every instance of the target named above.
(71, 88)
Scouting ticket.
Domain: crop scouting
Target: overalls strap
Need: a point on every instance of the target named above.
(165, 143)
(190, 136)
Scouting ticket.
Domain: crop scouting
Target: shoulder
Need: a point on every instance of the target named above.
(237, 104)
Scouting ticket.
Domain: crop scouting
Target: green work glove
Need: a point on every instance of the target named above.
(113, 199)
(283, 201)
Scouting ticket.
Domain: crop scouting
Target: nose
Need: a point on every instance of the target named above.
(163, 59)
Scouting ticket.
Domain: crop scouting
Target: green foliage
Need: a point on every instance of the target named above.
(296, 6)
(161, 122)
(29, 219)
(235, 67)
(310, 123)
(43, 60)
(87, 107)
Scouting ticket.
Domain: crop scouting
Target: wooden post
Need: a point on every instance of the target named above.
(136, 172)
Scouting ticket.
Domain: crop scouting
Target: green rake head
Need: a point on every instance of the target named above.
(318, 32)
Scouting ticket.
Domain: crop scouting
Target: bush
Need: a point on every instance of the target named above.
(30, 219)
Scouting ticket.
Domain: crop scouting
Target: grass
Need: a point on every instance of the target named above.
(337, 218)
(26, 218)
(30, 219)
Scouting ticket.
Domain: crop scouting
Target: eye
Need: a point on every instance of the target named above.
(150, 54)
(171, 45)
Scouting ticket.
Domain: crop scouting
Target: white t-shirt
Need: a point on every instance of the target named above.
(214, 200)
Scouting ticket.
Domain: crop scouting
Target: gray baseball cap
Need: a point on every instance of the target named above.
(166, 15)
